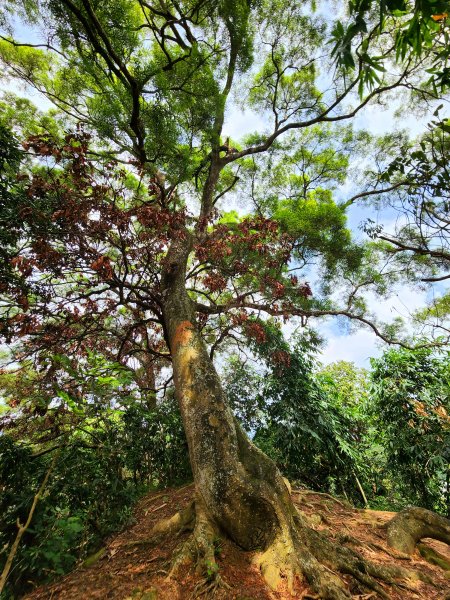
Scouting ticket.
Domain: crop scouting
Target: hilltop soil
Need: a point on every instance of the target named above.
(129, 567)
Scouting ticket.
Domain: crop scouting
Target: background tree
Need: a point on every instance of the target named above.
(111, 447)
(290, 415)
(411, 404)
(418, 243)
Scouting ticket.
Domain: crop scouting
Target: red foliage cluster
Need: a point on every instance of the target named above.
(154, 187)
(215, 282)
(23, 264)
(255, 331)
(239, 318)
(159, 219)
(239, 242)
(102, 266)
(23, 302)
(216, 246)
(281, 358)
(42, 145)
(240, 267)
(259, 233)
(45, 256)
(92, 218)
(277, 289)
(39, 187)
(75, 144)
(304, 290)
(260, 224)
(22, 323)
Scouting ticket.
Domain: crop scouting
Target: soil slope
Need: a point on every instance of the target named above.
(130, 568)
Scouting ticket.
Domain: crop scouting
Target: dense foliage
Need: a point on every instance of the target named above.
(410, 407)
(327, 429)
(291, 415)
(107, 452)
(341, 427)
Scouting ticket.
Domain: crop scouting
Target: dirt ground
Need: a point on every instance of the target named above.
(138, 571)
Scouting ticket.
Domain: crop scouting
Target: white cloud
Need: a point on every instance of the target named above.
(239, 123)
(26, 91)
(357, 348)
(402, 304)
(360, 345)
(382, 119)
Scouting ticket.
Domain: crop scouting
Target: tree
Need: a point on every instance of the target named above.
(418, 244)
(411, 404)
(143, 253)
(111, 446)
(291, 413)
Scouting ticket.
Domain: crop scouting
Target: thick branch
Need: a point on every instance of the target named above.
(391, 188)
(322, 118)
(307, 313)
(413, 524)
(416, 249)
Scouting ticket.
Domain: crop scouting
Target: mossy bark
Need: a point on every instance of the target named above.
(412, 525)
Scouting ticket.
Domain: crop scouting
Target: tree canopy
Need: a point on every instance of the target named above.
(136, 148)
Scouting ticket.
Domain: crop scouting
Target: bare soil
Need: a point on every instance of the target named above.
(128, 571)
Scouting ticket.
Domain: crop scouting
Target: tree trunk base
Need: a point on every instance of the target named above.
(297, 554)
(201, 549)
(434, 558)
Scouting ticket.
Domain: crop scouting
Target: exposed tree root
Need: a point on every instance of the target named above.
(180, 521)
(174, 523)
(306, 492)
(201, 549)
(307, 553)
(433, 557)
(413, 524)
(345, 538)
(297, 552)
(209, 587)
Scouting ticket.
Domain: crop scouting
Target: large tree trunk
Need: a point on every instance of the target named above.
(240, 492)
(240, 486)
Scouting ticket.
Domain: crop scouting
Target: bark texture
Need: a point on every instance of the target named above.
(239, 486)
